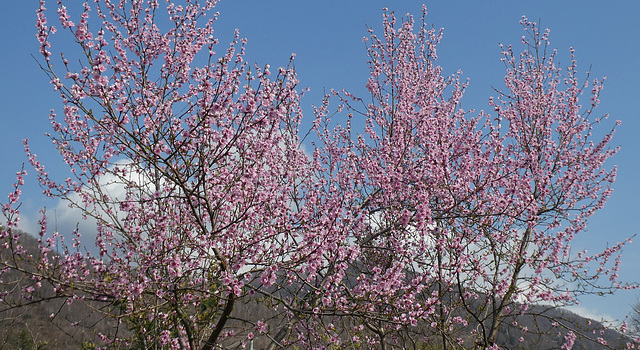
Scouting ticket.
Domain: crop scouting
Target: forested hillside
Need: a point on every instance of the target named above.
(46, 325)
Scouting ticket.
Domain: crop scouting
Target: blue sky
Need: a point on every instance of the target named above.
(327, 38)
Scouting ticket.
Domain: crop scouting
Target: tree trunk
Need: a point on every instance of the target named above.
(213, 338)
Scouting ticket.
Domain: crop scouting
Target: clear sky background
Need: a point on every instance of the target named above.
(327, 38)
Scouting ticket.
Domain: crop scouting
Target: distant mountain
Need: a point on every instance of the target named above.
(31, 326)
(46, 322)
(543, 335)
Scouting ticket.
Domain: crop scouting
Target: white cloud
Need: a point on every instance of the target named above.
(28, 224)
(66, 216)
(594, 314)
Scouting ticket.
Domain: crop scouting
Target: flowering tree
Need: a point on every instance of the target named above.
(192, 172)
(459, 223)
(430, 225)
